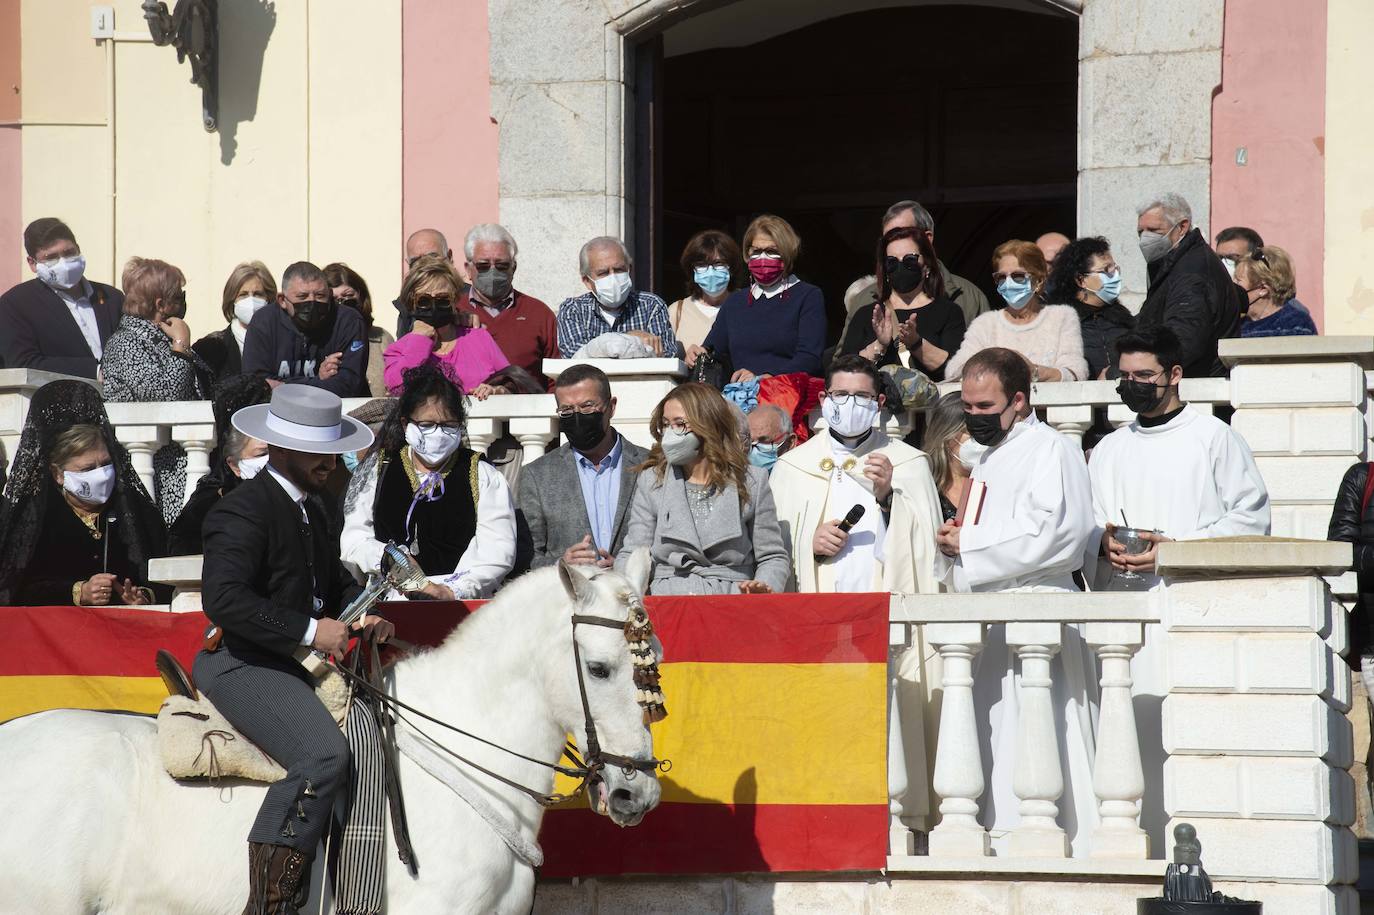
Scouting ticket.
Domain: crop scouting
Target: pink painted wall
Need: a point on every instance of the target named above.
(1272, 102)
(11, 150)
(449, 177)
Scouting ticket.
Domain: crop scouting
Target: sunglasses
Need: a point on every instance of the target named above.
(432, 302)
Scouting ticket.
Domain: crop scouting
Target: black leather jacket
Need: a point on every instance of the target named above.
(1352, 525)
(1192, 295)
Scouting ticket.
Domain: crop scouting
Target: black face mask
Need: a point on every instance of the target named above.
(1141, 396)
(584, 431)
(986, 428)
(905, 274)
(435, 317)
(308, 316)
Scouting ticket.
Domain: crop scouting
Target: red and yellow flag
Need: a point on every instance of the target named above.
(776, 727)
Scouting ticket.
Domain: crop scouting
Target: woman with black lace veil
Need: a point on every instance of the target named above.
(76, 524)
(236, 457)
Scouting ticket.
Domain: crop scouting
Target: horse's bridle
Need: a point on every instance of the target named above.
(586, 768)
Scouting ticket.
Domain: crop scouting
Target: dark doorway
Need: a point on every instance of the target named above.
(971, 110)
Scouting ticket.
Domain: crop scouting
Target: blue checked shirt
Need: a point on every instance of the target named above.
(580, 321)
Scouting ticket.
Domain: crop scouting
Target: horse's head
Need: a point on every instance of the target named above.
(616, 705)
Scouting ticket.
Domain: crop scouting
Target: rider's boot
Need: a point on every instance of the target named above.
(277, 879)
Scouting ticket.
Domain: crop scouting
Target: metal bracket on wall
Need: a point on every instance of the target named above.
(192, 27)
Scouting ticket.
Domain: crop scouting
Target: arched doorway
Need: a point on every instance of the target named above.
(778, 106)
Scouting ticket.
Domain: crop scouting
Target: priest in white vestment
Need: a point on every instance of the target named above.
(1035, 521)
(1182, 473)
(852, 462)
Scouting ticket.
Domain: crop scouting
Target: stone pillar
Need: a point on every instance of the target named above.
(958, 762)
(142, 442)
(1258, 745)
(1301, 403)
(197, 440)
(1159, 59)
(534, 434)
(1118, 778)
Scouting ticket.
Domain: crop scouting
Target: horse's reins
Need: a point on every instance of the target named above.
(587, 770)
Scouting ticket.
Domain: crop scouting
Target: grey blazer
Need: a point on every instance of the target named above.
(550, 512)
(735, 543)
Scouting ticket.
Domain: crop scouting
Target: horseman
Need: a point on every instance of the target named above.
(272, 584)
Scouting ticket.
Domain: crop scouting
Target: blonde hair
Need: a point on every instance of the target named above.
(727, 460)
(240, 275)
(144, 281)
(944, 423)
(782, 233)
(76, 440)
(426, 268)
(1271, 266)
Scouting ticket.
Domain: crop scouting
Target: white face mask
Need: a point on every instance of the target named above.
(64, 274)
(850, 419)
(1230, 266)
(434, 447)
(612, 289)
(94, 487)
(251, 467)
(970, 453)
(245, 308)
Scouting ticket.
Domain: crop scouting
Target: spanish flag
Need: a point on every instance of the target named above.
(776, 727)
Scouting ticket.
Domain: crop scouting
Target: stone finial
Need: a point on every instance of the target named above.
(1187, 848)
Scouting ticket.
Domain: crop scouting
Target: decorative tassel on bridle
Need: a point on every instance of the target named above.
(639, 633)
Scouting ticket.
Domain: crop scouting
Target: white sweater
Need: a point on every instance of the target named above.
(1053, 338)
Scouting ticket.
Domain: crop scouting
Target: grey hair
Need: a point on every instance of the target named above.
(783, 418)
(741, 422)
(1175, 208)
(488, 232)
(303, 271)
(234, 444)
(924, 221)
(584, 257)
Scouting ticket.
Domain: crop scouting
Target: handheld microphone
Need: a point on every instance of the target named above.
(846, 524)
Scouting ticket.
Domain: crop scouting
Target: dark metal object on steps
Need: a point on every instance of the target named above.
(1188, 889)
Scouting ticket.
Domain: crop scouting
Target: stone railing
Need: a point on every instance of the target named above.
(1250, 715)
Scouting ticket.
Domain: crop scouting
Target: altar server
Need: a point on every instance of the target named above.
(1028, 534)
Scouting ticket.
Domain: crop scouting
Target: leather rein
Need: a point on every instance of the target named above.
(586, 769)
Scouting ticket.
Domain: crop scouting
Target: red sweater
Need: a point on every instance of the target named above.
(527, 331)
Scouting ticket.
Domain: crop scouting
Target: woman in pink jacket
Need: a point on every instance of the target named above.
(468, 355)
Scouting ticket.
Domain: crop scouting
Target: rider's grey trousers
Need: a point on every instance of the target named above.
(272, 702)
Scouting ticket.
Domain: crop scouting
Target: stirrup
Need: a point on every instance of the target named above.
(174, 676)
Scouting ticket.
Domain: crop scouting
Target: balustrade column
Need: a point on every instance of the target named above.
(958, 763)
(534, 433)
(141, 442)
(1118, 778)
(196, 441)
(899, 838)
(1037, 779)
(481, 432)
(1072, 421)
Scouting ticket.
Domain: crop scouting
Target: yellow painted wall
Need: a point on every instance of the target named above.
(1349, 268)
(306, 164)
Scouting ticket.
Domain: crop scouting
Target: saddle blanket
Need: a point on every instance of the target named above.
(196, 741)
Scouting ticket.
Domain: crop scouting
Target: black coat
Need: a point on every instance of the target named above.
(1350, 524)
(264, 567)
(37, 331)
(1101, 327)
(1192, 294)
(276, 349)
(941, 322)
(221, 353)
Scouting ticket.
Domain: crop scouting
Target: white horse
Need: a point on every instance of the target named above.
(94, 824)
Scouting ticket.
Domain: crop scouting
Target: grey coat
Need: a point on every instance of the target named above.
(735, 543)
(551, 514)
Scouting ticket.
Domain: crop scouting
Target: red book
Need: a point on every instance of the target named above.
(971, 502)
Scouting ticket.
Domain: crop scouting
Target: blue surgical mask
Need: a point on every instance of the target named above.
(712, 280)
(350, 459)
(1111, 286)
(764, 454)
(1016, 294)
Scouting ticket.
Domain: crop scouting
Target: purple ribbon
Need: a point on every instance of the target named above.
(431, 489)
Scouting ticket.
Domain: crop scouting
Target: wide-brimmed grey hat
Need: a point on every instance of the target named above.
(304, 418)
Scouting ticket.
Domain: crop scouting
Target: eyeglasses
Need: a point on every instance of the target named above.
(680, 426)
(1111, 270)
(484, 266)
(428, 428)
(1016, 276)
(844, 397)
(1258, 255)
(587, 406)
(351, 301)
(768, 252)
(432, 302)
(52, 261)
(1143, 376)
